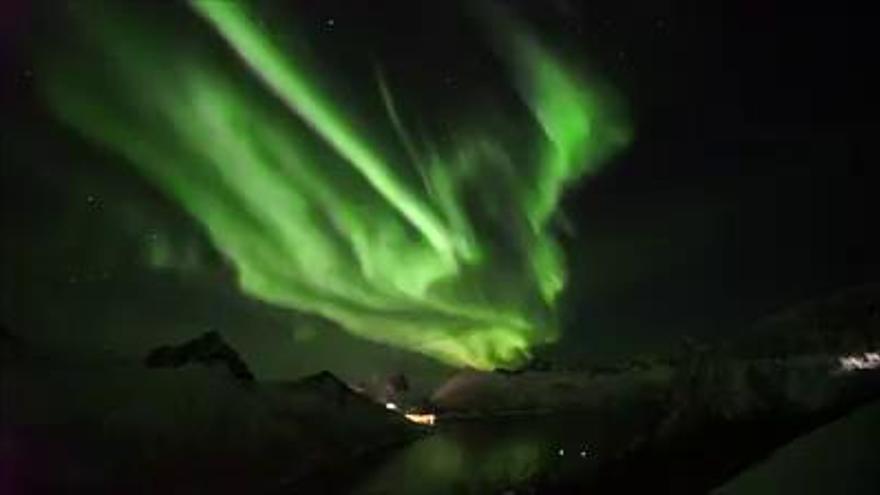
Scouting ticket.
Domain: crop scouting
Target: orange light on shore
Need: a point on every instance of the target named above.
(422, 419)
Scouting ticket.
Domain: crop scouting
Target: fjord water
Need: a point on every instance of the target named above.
(498, 454)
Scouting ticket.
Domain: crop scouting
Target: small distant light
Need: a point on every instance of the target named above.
(390, 405)
(561, 452)
(583, 453)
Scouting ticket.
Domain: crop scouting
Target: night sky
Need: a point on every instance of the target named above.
(749, 185)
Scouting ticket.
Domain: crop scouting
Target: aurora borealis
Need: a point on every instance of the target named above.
(364, 201)
(445, 248)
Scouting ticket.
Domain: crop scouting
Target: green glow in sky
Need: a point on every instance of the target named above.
(443, 249)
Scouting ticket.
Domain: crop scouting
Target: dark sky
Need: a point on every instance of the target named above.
(749, 186)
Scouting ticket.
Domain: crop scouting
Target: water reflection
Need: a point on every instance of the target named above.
(491, 456)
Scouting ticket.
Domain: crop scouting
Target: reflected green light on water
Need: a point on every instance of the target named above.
(494, 455)
(446, 463)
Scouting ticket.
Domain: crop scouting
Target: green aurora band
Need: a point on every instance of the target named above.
(443, 250)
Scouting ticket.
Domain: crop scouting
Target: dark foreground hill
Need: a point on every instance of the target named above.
(194, 427)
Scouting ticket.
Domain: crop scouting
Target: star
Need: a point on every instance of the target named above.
(93, 201)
